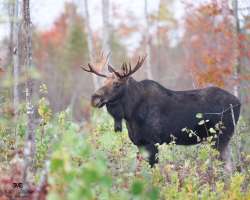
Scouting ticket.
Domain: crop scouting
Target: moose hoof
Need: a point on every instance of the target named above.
(118, 128)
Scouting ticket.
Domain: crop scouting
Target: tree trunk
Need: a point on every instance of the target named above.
(15, 52)
(148, 45)
(158, 38)
(236, 75)
(238, 60)
(11, 13)
(29, 149)
(90, 42)
(106, 26)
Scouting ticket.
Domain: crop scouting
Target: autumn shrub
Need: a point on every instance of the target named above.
(94, 162)
(98, 163)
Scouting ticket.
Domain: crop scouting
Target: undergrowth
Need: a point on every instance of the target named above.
(101, 164)
(94, 162)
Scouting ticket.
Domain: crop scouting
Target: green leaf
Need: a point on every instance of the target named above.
(154, 194)
(90, 175)
(184, 129)
(201, 122)
(137, 188)
(56, 163)
(107, 181)
(212, 130)
(199, 115)
(53, 196)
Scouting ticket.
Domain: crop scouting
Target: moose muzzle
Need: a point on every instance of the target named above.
(97, 101)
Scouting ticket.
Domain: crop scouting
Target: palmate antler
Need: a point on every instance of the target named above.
(127, 68)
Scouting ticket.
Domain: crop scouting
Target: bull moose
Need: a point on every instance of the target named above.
(155, 114)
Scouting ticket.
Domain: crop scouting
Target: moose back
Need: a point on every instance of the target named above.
(154, 114)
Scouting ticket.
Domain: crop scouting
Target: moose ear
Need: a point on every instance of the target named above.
(110, 69)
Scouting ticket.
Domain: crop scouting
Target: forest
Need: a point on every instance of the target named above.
(56, 144)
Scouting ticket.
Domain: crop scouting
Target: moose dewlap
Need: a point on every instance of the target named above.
(154, 114)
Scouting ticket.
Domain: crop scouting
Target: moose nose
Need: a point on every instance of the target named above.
(97, 101)
(94, 100)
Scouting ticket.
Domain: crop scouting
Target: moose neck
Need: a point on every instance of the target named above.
(132, 97)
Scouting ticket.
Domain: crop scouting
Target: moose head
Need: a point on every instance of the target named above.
(115, 83)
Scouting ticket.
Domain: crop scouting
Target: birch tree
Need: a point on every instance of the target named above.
(13, 59)
(106, 26)
(90, 41)
(11, 13)
(16, 63)
(238, 60)
(148, 46)
(29, 150)
(236, 74)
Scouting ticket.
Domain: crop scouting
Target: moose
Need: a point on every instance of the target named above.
(155, 114)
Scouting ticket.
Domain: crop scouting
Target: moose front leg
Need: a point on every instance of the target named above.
(117, 125)
(116, 111)
(152, 150)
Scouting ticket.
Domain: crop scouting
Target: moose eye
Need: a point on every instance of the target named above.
(117, 85)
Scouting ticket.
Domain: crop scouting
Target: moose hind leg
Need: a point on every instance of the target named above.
(226, 157)
(222, 145)
(152, 150)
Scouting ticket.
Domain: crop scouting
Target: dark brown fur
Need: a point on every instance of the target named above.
(154, 114)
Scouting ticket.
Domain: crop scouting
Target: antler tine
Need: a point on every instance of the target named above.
(127, 68)
(140, 62)
(103, 61)
(92, 70)
(86, 70)
(130, 67)
(112, 70)
(137, 66)
(124, 68)
(108, 55)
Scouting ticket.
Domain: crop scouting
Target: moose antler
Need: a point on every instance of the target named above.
(98, 66)
(138, 65)
(127, 68)
(92, 70)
